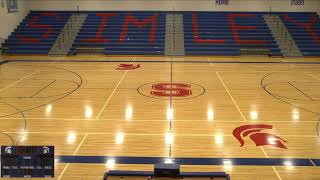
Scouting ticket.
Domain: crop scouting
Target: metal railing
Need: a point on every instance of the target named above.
(284, 34)
(66, 31)
(2, 48)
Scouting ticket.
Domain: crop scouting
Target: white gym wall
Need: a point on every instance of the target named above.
(169, 5)
(9, 21)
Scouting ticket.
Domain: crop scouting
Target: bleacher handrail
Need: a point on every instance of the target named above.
(2, 40)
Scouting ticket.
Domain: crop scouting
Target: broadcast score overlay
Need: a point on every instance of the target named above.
(27, 161)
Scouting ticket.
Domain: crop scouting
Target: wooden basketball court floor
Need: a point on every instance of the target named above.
(249, 118)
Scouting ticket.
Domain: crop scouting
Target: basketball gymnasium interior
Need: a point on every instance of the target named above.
(160, 89)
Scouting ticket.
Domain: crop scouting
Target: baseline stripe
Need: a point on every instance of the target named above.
(191, 161)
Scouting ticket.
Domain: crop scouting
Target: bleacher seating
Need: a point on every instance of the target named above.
(222, 33)
(305, 30)
(36, 33)
(123, 33)
(143, 33)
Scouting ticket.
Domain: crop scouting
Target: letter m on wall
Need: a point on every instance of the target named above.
(131, 19)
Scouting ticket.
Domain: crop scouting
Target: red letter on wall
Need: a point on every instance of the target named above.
(308, 26)
(235, 28)
(33, 24)
(140, 24)
(196, 35)
(99, 39)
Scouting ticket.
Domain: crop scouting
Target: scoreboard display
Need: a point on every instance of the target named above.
(222, 2)
(27, 161)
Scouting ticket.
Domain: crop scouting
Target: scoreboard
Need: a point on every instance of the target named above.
(222, 2)
(27, 161)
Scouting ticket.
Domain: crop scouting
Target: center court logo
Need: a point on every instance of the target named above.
(176, 90)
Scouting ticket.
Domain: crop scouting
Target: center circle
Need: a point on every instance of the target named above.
(175, 90)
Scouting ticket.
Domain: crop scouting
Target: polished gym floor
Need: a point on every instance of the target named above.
(254, 118)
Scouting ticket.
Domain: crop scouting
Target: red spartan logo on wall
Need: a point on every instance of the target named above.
(171, 89)
(259, 138)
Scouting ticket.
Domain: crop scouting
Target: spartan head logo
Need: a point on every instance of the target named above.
(127, 66)
(258, 137)
(8, 150)
(46, 150)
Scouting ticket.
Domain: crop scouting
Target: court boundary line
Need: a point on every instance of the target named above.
(114, 90)
(171, 114)
(80, 144)
(19, 80)
(313, 76)
(264, 152)
(276, 172)
(156, 120)
(63, 171)
(75, 152)
(318, 121)
(166, 61)
(229, 71)
(234, 102)
(314, 164)
(110, 96)
(273, 167)
(210, 61)
(141, 134)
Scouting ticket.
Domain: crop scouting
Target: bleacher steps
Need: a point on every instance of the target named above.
(179, 35)
(282, 36)
(169, 42)
(174, 42)
(68, 34)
